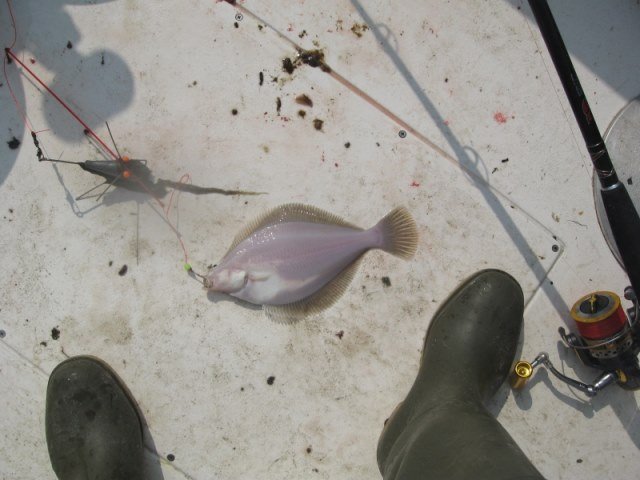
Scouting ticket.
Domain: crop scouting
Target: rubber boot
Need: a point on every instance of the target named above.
(93, 428)
(442, 429)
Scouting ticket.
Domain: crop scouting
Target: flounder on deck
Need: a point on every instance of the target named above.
(298, 260)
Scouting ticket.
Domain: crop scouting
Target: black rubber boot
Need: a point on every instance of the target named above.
(442, 430)
(93, 428)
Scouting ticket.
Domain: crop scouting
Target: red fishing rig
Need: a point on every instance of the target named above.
(117, 170)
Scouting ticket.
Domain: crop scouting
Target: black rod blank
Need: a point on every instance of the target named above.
(621, 213)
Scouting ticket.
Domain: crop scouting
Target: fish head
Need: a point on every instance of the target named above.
(226, 280)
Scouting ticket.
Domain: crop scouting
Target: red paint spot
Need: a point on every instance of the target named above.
(32, 60)
(446, 122)
(414, 184)
(290, 28)
(500, 117)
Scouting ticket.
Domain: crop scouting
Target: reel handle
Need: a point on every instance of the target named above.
(523, 371)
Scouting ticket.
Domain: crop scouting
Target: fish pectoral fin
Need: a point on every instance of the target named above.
(317, 302)
(259, 275)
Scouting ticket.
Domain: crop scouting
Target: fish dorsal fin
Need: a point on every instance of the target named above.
(290, 212)
(317, 302)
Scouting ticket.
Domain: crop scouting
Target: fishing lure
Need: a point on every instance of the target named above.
(298, 260)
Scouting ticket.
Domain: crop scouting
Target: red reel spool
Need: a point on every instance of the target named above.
(599, 315)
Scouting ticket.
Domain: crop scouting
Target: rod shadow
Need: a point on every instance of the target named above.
(468, 159)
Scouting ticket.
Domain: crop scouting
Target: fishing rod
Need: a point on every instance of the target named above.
(608, 339)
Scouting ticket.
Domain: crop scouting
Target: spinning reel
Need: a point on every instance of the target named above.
(607, 339)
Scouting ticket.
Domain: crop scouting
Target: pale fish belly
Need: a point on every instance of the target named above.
(290, 261)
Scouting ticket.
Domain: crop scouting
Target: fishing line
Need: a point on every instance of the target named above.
(88, 131)
(185, 179)
(13, 24)
(62, 102)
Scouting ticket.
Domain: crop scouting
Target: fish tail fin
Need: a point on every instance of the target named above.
(399, 233)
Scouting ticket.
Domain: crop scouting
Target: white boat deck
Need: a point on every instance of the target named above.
(452, 109)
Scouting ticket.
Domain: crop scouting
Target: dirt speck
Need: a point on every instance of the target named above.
(110, 263)
(44, 344)
(358, 29)
(386, 281)
(302, 113)
(347, 145)
(278, 105)
(302, 34)
(270, 380)
(102, 59)
(630, 181)
(234, 111)
(123, 270)
(236, 24)
(287, 65)
(505, 160)
(317, 124)
(340, 334)
(304, 99)
(69, 45)
(55, 333)
(260, 78)
(309, 449)
(171, 457)
(314, 58)
(13, 143)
